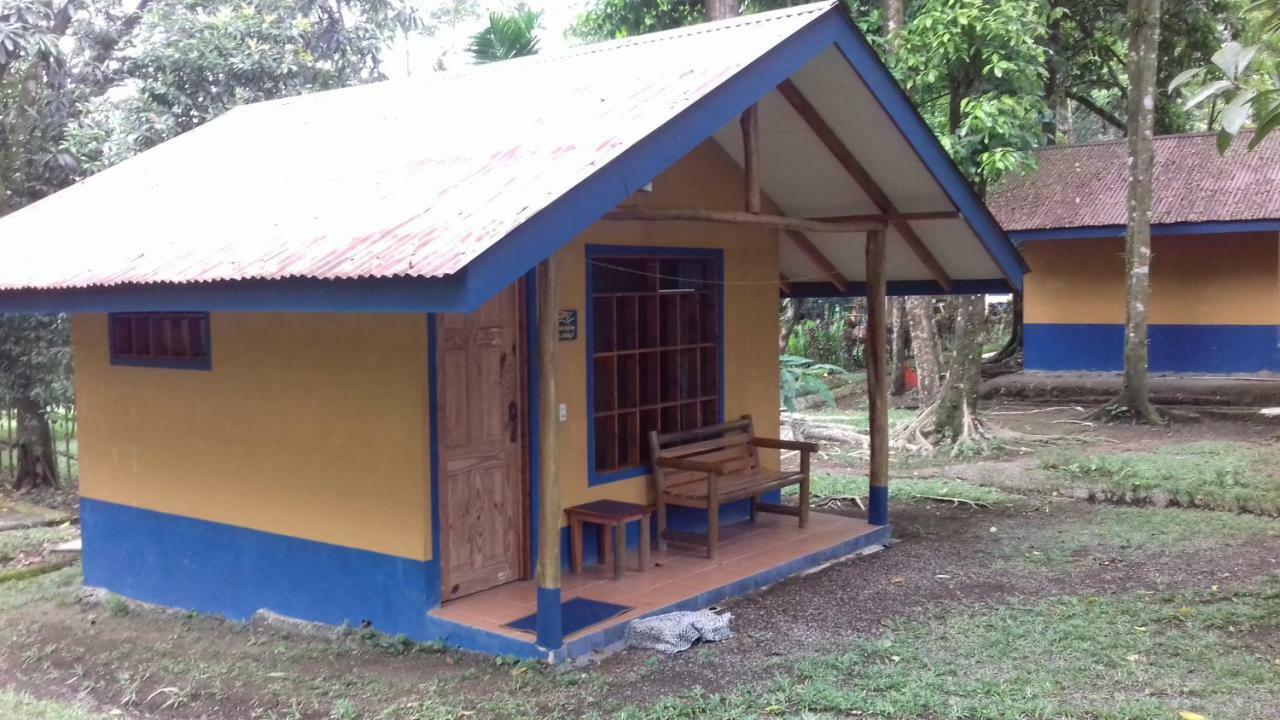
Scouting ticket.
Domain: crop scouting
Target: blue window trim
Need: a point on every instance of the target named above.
(1094, 232)
(575, 210)
(204, 363)
(595, 251)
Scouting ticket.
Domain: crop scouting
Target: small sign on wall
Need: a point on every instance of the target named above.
(567, 324)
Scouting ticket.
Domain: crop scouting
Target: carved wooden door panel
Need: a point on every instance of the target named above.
(480, 432)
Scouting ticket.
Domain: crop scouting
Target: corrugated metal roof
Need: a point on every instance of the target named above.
(1087, 185)
(404, 178)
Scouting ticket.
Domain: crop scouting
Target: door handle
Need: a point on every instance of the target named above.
(513, 420)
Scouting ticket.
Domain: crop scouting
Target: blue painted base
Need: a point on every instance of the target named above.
(235, 572)
(878, 505)
(1173, 348)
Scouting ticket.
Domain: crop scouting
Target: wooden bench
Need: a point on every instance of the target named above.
(718, 464)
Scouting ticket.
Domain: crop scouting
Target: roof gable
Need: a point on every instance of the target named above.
(453, 185)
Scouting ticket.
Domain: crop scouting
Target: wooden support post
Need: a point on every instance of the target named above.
(877, 380)
(751, 157)
(549, 625)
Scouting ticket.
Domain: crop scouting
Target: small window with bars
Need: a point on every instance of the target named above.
(161, 339)
(655, 351)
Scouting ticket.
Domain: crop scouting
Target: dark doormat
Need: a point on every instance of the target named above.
(574, 615)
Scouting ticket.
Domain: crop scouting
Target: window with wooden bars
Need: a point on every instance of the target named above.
(161, 339)
(655, 350)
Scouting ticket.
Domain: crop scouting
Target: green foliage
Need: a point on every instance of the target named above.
(193, 60)
(1231, 476)
(975, 69)
(1245, 78)
(35, 360)
(506, 36)
(801, 376)
(608, 19)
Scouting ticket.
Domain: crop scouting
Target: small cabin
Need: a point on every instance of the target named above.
(351, 357)
(1215, 256)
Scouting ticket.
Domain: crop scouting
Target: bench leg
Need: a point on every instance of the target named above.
(661, 512)
(645, 540)
(754, 500)
(713, 528)
(575, 545)
(804, 502)
(619, 549)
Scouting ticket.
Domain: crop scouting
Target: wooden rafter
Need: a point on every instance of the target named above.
(811, 117)
(807, 247)
(751, 157)
(731, 217)
(892, 217)
(784, 283)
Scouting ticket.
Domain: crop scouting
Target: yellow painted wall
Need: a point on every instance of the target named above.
(706, 178)
(315, 425)
(308, 425)
(1195, 280)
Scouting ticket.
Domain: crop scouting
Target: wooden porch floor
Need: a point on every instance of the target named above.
(747, 550)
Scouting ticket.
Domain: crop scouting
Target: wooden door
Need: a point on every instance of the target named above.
(481, 444)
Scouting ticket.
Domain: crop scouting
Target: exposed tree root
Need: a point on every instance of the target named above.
(976, 436)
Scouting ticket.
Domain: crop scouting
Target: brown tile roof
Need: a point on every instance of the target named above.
(1086, 185)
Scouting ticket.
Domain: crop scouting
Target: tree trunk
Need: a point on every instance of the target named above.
(897, 346)
(1055, 78)
(925, 347)
(721, 9)
(790, 314)
(895, 17)
(1144, 39)
(1014, 344)
(37, 462)
(958, 399)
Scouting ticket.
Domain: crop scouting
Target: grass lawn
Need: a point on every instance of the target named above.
(1134, 533)
(1132, 658)
(848, 487)
(1234, 476)
(19, 542)
(20, 705)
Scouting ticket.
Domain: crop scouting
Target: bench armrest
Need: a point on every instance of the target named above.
(694, 465)
(785, 444)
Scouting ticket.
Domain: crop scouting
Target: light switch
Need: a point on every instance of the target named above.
(564, 412)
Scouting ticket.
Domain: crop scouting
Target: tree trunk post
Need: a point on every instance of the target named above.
(877, 381)
(721, 9)
(1144, 39)
(549, 624)
(898, 345)
(925, 347)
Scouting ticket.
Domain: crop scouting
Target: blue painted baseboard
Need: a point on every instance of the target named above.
(234, 572)
(1173, 348)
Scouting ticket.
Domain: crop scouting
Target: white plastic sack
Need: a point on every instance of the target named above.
(677, 631)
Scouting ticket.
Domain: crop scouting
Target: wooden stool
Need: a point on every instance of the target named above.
(609, 514)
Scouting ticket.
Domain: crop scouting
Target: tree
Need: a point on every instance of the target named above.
(1246, 78)
(1144, 39)
(507, 36)
(609, 19)
(976, 72)
(86, 83)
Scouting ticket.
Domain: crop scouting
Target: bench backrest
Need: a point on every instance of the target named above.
(729, 442)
